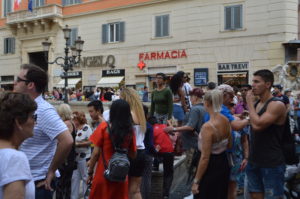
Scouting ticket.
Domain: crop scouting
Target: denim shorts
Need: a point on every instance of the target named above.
(269, 181)
(178, 112)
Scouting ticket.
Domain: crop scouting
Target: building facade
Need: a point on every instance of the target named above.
(128, 42)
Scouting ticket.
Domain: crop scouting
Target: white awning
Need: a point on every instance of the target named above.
(110, 81)
(71, 83)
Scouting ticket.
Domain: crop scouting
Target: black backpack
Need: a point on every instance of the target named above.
(288, 142)
(118, 166)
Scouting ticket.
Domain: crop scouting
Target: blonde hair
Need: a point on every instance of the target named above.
(215, 98)
(136, 106)
(65, 112)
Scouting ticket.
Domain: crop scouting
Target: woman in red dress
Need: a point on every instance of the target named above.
(123, 135)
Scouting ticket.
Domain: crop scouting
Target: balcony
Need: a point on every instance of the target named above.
(43, 17)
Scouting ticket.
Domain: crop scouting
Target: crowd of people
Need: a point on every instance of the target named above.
(231, 138)
(103, 94)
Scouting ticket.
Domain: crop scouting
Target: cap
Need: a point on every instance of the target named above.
(225, 88)
(197, 92)
(277, 86)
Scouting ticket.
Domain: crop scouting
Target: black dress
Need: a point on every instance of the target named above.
(214, 183)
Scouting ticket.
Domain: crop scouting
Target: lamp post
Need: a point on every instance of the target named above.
(67, 62)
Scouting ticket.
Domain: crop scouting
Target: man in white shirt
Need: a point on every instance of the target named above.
(51, 142)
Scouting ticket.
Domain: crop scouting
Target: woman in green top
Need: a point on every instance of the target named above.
(161, 100)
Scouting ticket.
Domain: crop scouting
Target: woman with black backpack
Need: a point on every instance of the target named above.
(119, 134)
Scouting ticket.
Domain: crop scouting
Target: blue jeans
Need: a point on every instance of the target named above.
(269, 181)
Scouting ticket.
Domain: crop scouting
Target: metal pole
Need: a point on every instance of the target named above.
(66, 68)
(66, 86)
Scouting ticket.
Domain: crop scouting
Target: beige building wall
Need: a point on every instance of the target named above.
(195, 25)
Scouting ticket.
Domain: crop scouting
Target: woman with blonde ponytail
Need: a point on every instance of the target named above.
(138, 164)
(212, 176)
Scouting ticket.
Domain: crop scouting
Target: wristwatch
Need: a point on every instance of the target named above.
(195, 181)
(174, 129)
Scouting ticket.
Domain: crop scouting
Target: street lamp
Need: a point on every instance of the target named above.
(66, 62)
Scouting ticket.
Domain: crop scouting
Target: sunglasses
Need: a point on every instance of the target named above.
(19, 79)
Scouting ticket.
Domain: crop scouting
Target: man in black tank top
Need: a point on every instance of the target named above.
(265, 170)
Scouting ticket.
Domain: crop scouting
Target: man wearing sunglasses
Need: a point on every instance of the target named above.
(51, 141)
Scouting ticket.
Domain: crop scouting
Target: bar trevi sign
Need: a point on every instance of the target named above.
(235, 66)
(98, 61)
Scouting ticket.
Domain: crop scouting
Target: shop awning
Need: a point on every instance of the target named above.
(71, 83)
(110, 81)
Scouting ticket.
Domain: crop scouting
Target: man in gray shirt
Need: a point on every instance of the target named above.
(192, 125)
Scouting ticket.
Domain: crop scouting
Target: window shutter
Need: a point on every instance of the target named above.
(64, 2)
(13, 45)
(237, 17)
(10, 5)
(122, 31)
(5, 8)
(165, 25)
(104, 33)
(42, 2)
(9, 46)
(158, 26)
(5, 46)
(228, 18)
(74, 35)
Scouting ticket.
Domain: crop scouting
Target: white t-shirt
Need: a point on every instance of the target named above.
(139, 136)
(83, 135)
(14, 167)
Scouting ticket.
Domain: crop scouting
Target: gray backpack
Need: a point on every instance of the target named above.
(118, 166)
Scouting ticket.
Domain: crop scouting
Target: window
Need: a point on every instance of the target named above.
(70, 2)
(162, 26)
(7, 7)
(73, 37)
(37, 3)
(233, 17)
(9, 78)
(113, 32)
(9, 45)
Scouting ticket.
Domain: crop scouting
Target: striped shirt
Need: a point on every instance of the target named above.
(41, 148)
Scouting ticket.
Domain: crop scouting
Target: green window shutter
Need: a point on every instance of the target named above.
(238, 17)
(104, 33)
(5, 46)
(228, 18)
(158, 25)
(122, 31)
(165, 21)
(13, 45)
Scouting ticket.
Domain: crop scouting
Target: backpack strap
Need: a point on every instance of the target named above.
(110, 136)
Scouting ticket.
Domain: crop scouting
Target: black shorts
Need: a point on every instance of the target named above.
(138, 164)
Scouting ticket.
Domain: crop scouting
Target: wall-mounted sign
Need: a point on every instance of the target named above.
(200, 76)
(113, 73)
(236, 66)
(73, 74)
(98, 61)
(168, 54)
(141, 65)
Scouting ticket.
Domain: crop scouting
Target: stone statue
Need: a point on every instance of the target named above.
(288, 75)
